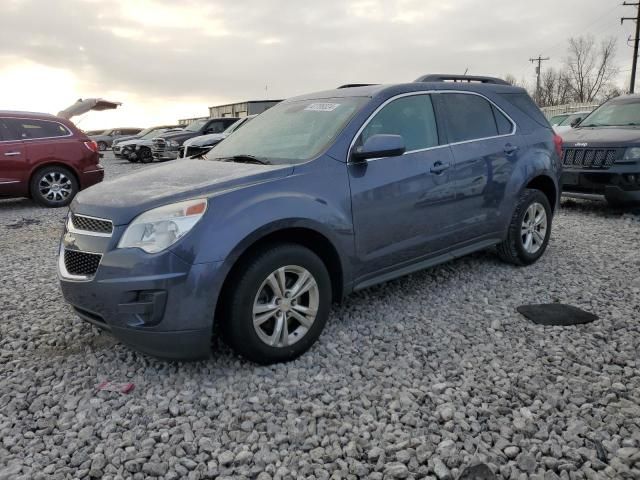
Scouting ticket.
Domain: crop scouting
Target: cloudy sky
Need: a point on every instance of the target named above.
(170, 59)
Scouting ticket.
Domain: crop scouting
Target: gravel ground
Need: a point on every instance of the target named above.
(416, 378)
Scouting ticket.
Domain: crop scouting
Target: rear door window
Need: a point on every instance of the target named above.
(26, 129)
(469, 117)
(410, 117)
(6, 132)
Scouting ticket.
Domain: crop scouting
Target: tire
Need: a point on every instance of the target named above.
(102, 146)
(53, 186)
(526, 247)
(145, 155)
(251, 287)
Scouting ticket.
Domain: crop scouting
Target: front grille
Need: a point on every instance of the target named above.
(159, 145)
(81, 263)
(601, 158)
(89, 224)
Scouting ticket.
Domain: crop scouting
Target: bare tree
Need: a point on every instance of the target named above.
(590, 66)
(511, 79)
(555, 88)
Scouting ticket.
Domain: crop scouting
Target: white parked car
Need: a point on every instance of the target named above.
(571, 121)
(200, 145)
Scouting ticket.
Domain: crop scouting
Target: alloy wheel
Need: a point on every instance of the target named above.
(285, 306)
(55, 186)
(534, 228)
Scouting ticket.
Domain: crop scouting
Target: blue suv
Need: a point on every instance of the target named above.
(317, 197)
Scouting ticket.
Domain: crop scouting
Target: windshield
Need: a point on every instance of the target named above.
(236, 125)
(618, 113)
(196, 126)
(557, 120)
(570, 119)
(290, 132)
(154, 133)
(145, 132)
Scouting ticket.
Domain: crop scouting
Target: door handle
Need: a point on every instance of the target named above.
(439, 167)
(509, 149)
(11, 154)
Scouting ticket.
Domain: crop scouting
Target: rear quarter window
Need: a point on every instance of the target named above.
(526, 105)
(468, 117)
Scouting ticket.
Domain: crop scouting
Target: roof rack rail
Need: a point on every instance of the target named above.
(439, 77)
(353, 85)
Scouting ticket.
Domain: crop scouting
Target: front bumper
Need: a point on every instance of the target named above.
(620, 184)
(156, 303)
(166, 154)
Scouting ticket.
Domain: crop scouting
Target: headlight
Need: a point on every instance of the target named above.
(632, 153)
(158, 229)
(173, 143)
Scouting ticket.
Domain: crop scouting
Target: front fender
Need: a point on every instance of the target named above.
(236, 219)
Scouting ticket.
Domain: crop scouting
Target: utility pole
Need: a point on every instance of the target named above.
(538, 71)
(635, 42)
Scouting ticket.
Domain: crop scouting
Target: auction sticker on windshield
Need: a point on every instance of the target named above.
(322, 107)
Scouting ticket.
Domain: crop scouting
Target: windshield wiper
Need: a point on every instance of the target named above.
(244, 159)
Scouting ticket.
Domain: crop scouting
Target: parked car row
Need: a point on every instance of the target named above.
(105, 139)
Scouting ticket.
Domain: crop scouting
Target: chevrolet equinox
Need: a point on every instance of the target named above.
(317, 197)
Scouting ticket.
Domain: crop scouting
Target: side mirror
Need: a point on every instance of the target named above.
(379, 146)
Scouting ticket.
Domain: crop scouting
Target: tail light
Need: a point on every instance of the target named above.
(91, 145)
(557, 141)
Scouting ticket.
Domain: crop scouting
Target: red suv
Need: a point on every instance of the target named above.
(46, 158)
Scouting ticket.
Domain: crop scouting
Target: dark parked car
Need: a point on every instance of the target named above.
(602, 155)
(318, 196)
(167, 147)
(106, 138)
(197, 146)
(46, 158)
(117, 141)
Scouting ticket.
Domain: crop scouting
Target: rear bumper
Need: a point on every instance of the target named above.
(157, 304)
(92, 176)
(620, 184)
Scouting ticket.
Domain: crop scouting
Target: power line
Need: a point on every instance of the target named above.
(538, 68)
(635, 42)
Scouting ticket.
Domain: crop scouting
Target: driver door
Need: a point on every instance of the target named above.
(400, 204)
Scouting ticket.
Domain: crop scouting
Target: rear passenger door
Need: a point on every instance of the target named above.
(484, 149)
(13, 167)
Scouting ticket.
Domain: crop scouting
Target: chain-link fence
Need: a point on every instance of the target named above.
(568, 108)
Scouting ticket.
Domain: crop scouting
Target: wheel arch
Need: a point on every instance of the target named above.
(546, 185)
(302, 234)
(42, 166)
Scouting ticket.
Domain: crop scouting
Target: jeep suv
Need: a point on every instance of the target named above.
(602, 154)
(46, 158)
(317, 197)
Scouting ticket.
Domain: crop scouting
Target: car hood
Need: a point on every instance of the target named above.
(124, 198)
(205, 140)
(601, 136)
(179, 136)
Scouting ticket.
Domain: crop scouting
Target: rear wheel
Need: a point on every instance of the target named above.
(278, 306)
(529, 230)
(54, 186)
(102, 146)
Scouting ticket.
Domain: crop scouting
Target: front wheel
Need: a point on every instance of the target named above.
(278, 305)
(529, 230)
(102, 146)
